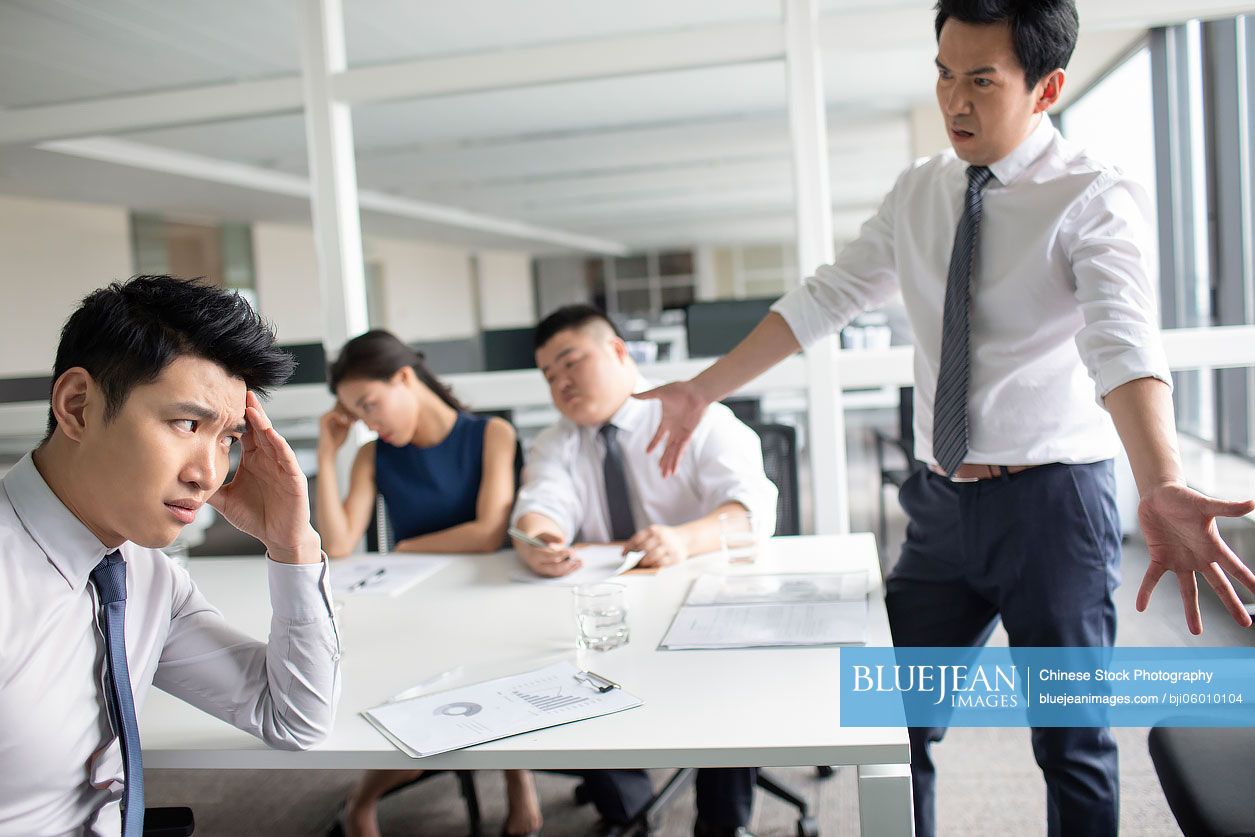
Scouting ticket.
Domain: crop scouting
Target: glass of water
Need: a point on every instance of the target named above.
(737, 539)
(601, 616)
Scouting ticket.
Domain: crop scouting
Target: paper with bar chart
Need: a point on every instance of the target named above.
(469, 715)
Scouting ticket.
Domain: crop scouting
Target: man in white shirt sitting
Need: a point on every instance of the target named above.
(155, 379)
(588, 479)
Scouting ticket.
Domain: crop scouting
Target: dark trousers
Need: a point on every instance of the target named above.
(725, 795)
(1041, 550)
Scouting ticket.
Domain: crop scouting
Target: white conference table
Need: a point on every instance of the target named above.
(728, 708)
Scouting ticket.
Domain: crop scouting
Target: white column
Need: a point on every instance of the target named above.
(333, 175)
(333, 194)
(813, 201)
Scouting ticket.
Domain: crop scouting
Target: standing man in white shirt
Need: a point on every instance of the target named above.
(1024, 265)
(155, 380)
(589, 479)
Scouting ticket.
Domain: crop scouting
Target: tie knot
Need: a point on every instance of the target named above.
(977, 177)
(609, 432)
(110, 578)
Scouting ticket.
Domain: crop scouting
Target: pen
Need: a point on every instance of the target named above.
(520, 535)
(362, 582)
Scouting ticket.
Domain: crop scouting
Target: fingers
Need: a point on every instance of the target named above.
(1231, 563)
(1189, 600)
(1228, 597)
(670, 461)
(659, 435)
(1153, 573)
(1228, 508)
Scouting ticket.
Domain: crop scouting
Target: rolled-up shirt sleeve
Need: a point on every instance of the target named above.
(1109, 246)
(728, 468)
(285, 690)
(864, 276)
(548, 486)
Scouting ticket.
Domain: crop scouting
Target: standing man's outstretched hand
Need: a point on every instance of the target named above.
(682, 408)
(1179, 525)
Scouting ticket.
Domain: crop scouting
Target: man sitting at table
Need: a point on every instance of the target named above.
(588, 479)
(155, 380)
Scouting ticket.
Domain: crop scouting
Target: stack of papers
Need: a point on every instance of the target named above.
(601, 562)
(382, 575)
(468, 715)
(771, 611)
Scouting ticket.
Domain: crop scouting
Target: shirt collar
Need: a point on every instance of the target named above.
(66, 540)
(633, 412)
(1013, 165)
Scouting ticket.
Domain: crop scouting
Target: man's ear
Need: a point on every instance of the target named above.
(71, 393)
(1049, 89)
(619, 348)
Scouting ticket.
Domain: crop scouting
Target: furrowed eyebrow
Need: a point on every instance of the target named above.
(202, 413)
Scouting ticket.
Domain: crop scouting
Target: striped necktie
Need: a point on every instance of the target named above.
(110, 580)
(950, 430)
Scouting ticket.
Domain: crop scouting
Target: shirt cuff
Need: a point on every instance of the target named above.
(299, 592)
(804, 315)
(1130, 365)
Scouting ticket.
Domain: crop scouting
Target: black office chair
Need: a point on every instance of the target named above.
(904, 445)
(1208, 778)
(779, 444)
(168, 822)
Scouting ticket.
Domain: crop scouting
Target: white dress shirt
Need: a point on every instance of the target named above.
(60, 762)
(1062, 287)
(564, 478)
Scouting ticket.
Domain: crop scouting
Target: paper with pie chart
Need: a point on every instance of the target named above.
(469, 715)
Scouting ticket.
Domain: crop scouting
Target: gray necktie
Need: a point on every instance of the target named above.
(950, 435)
(617, 495)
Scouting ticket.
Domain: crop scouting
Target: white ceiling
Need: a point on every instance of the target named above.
(670, 157)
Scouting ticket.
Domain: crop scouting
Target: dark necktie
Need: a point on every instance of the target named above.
(620, 507)
(110, 580)
(950, 434)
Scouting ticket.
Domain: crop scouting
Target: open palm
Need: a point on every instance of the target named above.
(1179, 525)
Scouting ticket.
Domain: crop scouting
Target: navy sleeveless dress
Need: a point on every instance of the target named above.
(433, 488)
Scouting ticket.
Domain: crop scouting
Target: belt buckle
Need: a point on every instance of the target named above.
(963, 479)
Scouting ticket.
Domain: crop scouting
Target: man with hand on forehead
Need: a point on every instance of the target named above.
(155, 380)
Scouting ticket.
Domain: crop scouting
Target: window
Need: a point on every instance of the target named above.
(221, 253)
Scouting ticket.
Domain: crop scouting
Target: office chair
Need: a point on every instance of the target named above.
(1208, 778)
(779, 443)
(168, 822)
(904, 443)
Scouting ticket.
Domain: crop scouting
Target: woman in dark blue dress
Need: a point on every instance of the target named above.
(447, 478)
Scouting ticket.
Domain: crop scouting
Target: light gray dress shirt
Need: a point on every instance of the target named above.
(60, 762)
(564, 478)
(1063, 296)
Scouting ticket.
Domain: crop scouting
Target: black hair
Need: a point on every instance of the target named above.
(1043, 32)
(126, 333)
(570, 316)
(376, 356)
